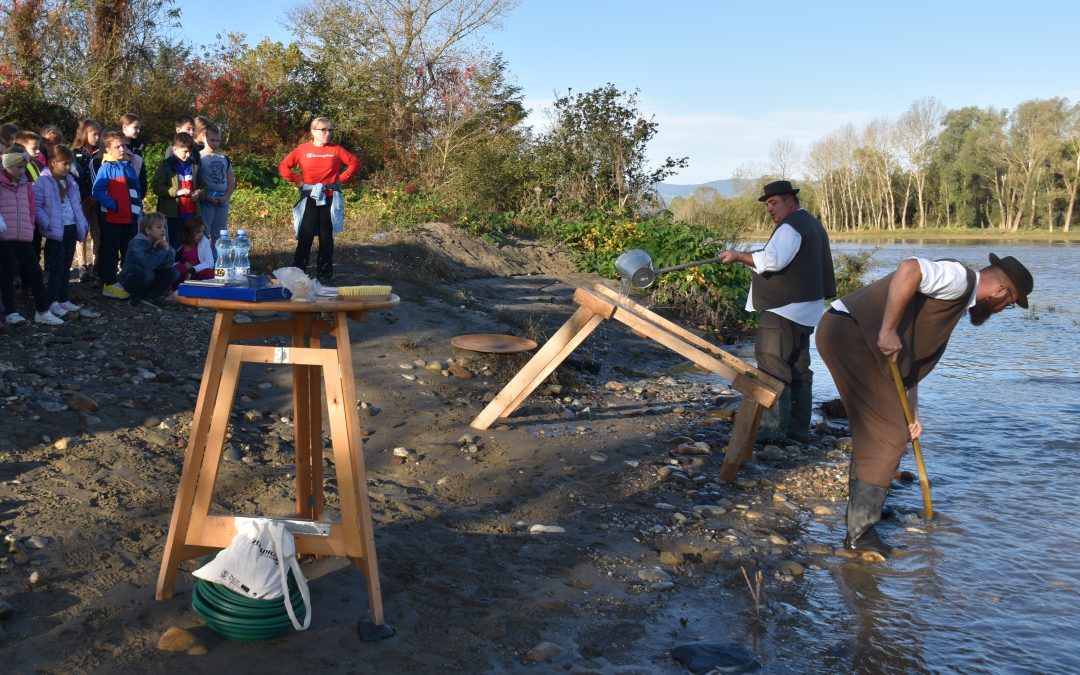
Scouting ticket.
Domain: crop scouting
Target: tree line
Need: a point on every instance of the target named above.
(983, 168)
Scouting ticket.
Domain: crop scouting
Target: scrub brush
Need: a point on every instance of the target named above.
(355, 291)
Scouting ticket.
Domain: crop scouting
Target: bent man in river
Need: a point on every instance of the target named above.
(907, 317)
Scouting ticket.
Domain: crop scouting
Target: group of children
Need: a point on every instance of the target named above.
(86, 206)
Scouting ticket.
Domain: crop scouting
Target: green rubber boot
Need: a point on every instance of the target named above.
(863, 513)
(775, 420)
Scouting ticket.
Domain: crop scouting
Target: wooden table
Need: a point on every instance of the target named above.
(193, 532)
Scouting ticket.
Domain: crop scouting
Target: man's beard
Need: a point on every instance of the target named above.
(979, 313)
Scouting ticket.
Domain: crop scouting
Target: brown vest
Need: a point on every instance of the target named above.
(809, 275)
(924, 327)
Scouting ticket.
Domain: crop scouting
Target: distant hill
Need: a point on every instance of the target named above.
(669, 191)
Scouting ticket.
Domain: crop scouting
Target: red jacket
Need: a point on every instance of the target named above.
(320, 164)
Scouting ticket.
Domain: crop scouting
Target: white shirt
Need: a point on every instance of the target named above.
(941, 280)
(778, 254)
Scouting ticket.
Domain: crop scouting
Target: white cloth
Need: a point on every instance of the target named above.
(941, 280)
(778, 254)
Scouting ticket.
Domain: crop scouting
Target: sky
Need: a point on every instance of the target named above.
(726, 79)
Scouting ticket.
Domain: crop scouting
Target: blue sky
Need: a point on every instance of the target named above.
(726, 79)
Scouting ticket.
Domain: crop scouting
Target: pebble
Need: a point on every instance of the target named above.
(872, 556)
(36, 577)
(434, 366)
(410, 378)
(460, 372)
(543, 652)
(62, 444)
(598, 457)
(709, 510)
(790, 568)
(176, 639)
(614, 386)
(632, 463)
(777, 540)
(821, 510)
(818, 549)
(546, 529)
(37, 541)
(664, 506)
(665, 471)
(770, 453)
(653, 575)
(402, 452)
(151, 422)
(81, 402)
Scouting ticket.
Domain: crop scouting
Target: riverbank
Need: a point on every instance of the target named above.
(942, 235)
(588, 532)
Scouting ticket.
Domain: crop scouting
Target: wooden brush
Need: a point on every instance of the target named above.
(355, 291)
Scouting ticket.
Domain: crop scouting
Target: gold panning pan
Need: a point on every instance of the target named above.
(493, 343)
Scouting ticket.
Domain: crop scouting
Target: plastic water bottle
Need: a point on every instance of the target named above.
(224, 263)
(241, 248)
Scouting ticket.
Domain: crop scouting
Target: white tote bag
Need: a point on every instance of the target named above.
(255, 565)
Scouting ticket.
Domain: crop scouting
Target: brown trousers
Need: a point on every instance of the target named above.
(879, 432)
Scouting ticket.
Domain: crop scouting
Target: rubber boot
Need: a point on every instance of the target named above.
(774, 421)
(798, 428)
(863, 513)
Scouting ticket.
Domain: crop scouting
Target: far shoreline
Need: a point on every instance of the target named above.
(943, 235)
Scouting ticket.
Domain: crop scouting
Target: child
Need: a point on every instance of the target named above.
(51, 136)
(195, 257)
(148, 266)
(131, 127)
(220, 182)
(31, 143)
(87, 148)
(16, 247)
(178, 184)
(7, 135)
(116, 188)
(60, 218)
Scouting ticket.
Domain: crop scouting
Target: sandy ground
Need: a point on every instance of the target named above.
(654, 548)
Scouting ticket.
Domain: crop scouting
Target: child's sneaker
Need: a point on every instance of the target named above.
(48, 318)
(70, 306)
(57, 310)
(15, 319)
(114, 291)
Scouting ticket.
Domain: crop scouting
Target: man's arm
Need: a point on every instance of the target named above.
(902, 289)
(777, 254)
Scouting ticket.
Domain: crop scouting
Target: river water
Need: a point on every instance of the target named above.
(992, 584)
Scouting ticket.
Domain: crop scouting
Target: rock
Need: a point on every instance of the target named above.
(777, 540)
(151, 422)
(62, 444)
(671, 558)
(37, 541)
(871, 556)
(460, 372)
(614, 386)
(546, 529)
(818, 549)
(727, 657)
(665, 470)
(698, 448)
(78, 401)
(434, 366)
(820, 510)
(231, 454)
(653, 575)
(705, 510)
(598, 457)
(36, 577)
(410, 378)
(791, 568)
(844, 444)
(401, 452)
(543, 652)
(177, 639)
(770, 453)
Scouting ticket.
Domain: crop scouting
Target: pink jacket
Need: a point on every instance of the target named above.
(17, 208)
(50, 210)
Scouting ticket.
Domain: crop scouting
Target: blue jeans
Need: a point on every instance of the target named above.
(150, 284)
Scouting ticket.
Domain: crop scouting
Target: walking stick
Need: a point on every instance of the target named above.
(924, 482)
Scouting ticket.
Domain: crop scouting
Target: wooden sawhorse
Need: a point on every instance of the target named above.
(193, 532)
(759, 389)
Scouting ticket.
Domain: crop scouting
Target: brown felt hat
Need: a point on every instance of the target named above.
(780, 187)
(1018, 274)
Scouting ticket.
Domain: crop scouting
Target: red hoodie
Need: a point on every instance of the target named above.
(319, 164)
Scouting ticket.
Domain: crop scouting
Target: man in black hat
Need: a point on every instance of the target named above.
(792, 276)
(906, 317)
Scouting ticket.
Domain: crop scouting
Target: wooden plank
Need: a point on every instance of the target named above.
(194, 455)
(572, 333)
(734, 362)
(752, 388)
(594, 302)
(219, 531)
(261, 329)
(743, 435)
(301, 401)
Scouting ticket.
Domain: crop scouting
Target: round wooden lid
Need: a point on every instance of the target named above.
(492, 343)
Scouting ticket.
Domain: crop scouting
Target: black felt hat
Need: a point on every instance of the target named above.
(780, 187)
(1018, 274)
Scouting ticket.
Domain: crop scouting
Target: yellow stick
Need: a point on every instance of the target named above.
(924, 482)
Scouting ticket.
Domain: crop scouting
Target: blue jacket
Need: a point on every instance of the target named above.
(142, 258)
(117, 189)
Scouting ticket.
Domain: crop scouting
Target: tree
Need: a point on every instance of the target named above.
(783, 157)
(594, 154)
(916, 131)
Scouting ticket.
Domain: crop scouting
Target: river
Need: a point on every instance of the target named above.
(992, 584)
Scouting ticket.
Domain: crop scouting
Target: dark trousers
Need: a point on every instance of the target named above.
(114, 244)
(782, 349)
(316, 221)
(879, 432)
(19, 256)
(173, 226)
(152, 284)
(58, 257)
